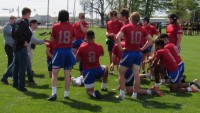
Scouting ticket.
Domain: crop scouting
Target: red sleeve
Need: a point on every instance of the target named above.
(115, 49)
(158, 54)
(179, 30)
(123, 29)
(53, 32)
(79, 52)
(85, 24)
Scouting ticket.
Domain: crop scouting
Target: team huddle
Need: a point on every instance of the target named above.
(130, 49)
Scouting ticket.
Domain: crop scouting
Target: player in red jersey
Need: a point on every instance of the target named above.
(165, 59)
(62, 35)
(174, 31)
(132, 56)
(174, 51)
(152, 31)
(80, 28)
(49, 52)
(113, 27)
(89, 54)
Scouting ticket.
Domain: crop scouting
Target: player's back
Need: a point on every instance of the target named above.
(89, 54)
(133, 34)
(63, 34)
(174, 51)
(79, 33)
(167, 60)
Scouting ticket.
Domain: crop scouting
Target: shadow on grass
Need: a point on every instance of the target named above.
(155, 104)
(61, 78)
(181, 94)
(145, 81)
(45, 86)
(108, 97)
(39, 75)
(82, 105)
(35, 95)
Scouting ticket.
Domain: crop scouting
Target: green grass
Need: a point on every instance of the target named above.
(34, 101)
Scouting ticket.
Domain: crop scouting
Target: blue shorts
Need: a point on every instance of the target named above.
(174, 76)
(63, 58)
(131, 57)
(182, 68)
(129, 78)
(90, 75)
(77, 43)
(110, 47)
(49, 63)
(148, 50)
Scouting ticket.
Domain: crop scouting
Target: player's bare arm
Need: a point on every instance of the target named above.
(119, 36)
(148, 43)
(179, 38)
(48, 53)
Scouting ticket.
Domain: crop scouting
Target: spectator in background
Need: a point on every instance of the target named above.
(33, 26)
(22, 36)
(8, 39)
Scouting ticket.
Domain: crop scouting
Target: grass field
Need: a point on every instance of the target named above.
(34, 101)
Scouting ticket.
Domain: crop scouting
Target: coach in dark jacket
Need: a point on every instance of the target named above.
(22, 36)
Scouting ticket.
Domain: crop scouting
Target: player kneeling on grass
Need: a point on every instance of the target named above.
(89, 54)
(62, 35)
(172, 70)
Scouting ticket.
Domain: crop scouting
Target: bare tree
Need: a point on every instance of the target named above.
(98, 6)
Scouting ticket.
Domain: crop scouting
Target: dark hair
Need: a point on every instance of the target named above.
(174, 17)
(125, 12)
(146, 19)
(90, 35)
(26, 10)
(113, 13)
(63, 16)
(159, 42)
(163, 36)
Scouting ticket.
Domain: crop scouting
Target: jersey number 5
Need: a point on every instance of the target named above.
(136, 37)
(64, 37)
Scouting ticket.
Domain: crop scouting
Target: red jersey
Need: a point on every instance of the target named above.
(133, 35)
(174, 51)
(79, 33)
(172, 31)
(63, 34)
(89, 54)
(151, 30)
(117, 52)
(51, 46)
(167, 60)
(114, 27)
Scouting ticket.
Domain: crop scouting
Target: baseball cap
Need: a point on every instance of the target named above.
(35, 21)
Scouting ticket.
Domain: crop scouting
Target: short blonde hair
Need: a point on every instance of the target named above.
(135, 17)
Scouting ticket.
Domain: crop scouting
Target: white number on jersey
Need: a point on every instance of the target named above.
(92, 56)
(136, 37)
(65, 39)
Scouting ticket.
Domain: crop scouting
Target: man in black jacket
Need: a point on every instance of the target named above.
(22, 36)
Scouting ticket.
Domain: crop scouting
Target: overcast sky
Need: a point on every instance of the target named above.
(37, 6)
